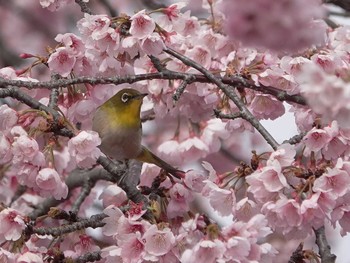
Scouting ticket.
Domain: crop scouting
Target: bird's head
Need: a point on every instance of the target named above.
(124, 107)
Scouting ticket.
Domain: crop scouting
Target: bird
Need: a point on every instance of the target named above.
(118, 123)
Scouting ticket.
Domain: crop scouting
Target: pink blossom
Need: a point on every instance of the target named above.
(27, 170)
(171, 149)
(206, 251)
(337, 145)
(271, 177)
(221, 200)
(83, 245)
(29, 257)
(24, 148)
(304, 118)
(173, 11)
(82, 110)
(334, 182)
(194, 180)
(83, 67)
(152, 45)
(158, 242)
(314, 210)
(6, 256)
(112, 254)
(8, 73)
(186, 24)
(112, 221)
(84, 148)
(237, 248)
(127, 227)
(61, 61)
(8, 117)
(180, 199)
(50, 184)
(94, 26)
(12, 224)
(133, 248)
(265, 183)
(325, 93)
(141, 25)
(113, 195)
(193, 148)
(276, 77)
(316, 139)
(285, 215)
(266, 107)
(214, 131)
(72, 42)
(199, 54)
(245, 209)
(5, 149)
(284, 155)
(291, 25)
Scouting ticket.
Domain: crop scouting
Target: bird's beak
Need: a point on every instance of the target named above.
(140, 96)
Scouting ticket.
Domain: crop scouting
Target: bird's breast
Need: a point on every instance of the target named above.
(118, 140)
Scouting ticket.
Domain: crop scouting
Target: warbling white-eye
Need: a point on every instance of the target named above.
(118, 123)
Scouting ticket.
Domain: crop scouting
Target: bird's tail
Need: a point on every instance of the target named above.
(149, 157)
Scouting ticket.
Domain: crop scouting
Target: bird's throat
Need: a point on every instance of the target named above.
(126, 118)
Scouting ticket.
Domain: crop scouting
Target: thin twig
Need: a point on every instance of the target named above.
(182, 88)
(296, 138)
(85, 191)
(229, 91)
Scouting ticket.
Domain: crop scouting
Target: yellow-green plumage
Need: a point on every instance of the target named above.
(119, 125)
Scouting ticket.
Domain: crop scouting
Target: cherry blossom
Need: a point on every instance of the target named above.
(50, 183)
(262, 56)
(12, 224)
(84, 148)
(158, 242)
(141, 25)
(61, 61)
(9, 117)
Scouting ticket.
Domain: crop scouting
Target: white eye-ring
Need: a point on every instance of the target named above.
(125, 97)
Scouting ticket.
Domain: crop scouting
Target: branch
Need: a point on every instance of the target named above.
(54, 93)
(88, 257)
(297, 255)
(345, 4)
(164, 74)
(229, 91)
(324, 248)
(94, 221)
(84, 7)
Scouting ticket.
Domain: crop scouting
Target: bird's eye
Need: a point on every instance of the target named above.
(125, 97)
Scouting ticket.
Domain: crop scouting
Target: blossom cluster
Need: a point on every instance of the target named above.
(291, 191)
(277, 25)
